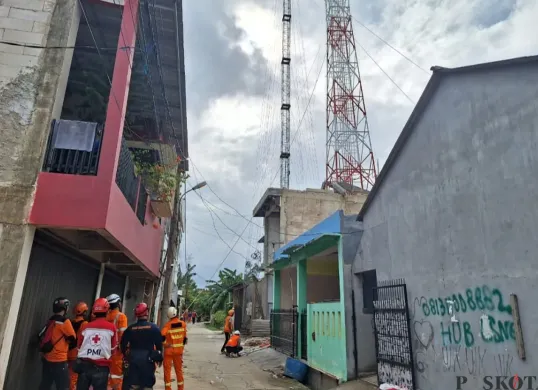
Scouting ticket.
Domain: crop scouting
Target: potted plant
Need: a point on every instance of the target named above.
(160, 182)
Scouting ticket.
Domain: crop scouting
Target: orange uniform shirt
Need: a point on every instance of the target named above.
(234, 341)
(119, 320)
(72, 354)
(60, 333)
(228, 324)
(174, 332)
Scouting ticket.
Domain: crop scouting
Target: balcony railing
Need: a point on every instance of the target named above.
(130, 184)
(74, 148)
(64, 139)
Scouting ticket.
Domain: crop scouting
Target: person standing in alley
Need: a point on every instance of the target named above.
(80, 311)
(96, 346)
(228, 329)
(119, 320)
(194, 317)
(142, 347)
(174, 334)
(54, 341)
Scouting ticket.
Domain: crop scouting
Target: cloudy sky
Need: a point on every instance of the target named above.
(233, 51)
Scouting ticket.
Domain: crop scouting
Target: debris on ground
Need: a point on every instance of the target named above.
(277, 372)
(256, 341)
(254, 344)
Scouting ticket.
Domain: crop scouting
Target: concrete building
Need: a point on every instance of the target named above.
(75, 103)
(286, 215)
(453, 218)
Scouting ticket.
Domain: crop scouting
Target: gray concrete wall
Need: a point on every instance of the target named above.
(32, 86)
(457, 218)
(302, 210)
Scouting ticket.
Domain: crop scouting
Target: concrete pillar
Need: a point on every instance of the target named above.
(302, 279)
(32, 88)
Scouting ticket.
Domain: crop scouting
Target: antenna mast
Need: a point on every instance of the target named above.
(349, 155)
(285, 96)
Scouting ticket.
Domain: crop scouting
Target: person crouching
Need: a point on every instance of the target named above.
(233, 346)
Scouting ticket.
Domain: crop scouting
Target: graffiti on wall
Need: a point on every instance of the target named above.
(444, 337)
(493, 324)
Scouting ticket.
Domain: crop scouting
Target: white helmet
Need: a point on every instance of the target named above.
(172, 312)
(113, 298)
(237, 332)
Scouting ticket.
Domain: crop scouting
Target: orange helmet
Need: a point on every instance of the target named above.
(80, 309)
(100, 305)
(141, 310)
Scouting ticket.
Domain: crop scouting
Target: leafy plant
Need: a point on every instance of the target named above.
(218, 319)
(159, 179)
(220, 289)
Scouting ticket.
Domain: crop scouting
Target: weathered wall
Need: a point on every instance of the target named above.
(457, 218)
(31, 89)
(301, 210)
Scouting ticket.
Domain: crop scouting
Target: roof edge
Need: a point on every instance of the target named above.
(486, 65)
(269, 193)
(401, 141)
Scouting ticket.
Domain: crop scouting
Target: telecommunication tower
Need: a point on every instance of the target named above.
(285, 96)
(349, 155)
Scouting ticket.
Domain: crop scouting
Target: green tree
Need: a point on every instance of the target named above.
(186, 283)
(219, 290)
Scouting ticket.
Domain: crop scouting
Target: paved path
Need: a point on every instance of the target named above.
(205, 368)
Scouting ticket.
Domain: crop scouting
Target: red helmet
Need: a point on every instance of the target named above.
(100, 305)
(80, 309)
(141, 310)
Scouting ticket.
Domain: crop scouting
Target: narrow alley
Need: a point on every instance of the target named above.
(205, 368)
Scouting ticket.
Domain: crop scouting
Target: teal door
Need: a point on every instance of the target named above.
(327, 339)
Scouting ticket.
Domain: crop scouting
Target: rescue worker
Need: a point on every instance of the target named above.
(80, 311)
(228, 329)
(119, 320)
(174, 334)
(54, 341)
(142, 346)
(233, 346)
(96, 346)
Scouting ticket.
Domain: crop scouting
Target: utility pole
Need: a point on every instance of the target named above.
(173, 248)
(173, 244)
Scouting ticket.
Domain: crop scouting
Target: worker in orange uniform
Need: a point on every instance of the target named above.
(119, 320)
(54, 341)
(80, 311)
(174, 334)
(233, 346)
(228, 329)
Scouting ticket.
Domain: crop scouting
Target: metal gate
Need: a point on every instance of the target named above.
(53, 271)
(283, 325)
(393, 335)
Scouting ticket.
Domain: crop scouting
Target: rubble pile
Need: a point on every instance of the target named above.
(254, 344)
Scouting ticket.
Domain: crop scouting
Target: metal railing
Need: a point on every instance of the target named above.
(61, 156)
(130, 184)
(70, 161)
(283, 325)
(303, 335)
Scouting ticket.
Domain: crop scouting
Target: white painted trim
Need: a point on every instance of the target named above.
(16, 299)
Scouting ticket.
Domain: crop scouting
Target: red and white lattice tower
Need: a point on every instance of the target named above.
(350, 158)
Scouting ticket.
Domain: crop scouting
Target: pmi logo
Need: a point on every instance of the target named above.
(515, 382)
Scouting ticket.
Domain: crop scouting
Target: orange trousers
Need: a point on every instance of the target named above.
(177, 361)
(73, 376)
(115, 380)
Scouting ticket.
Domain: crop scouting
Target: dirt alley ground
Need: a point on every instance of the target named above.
(205, 368)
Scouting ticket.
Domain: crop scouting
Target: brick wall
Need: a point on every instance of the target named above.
(22, 22)
(32, 87)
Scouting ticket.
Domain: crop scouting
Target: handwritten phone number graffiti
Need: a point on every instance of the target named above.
(479, 298)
